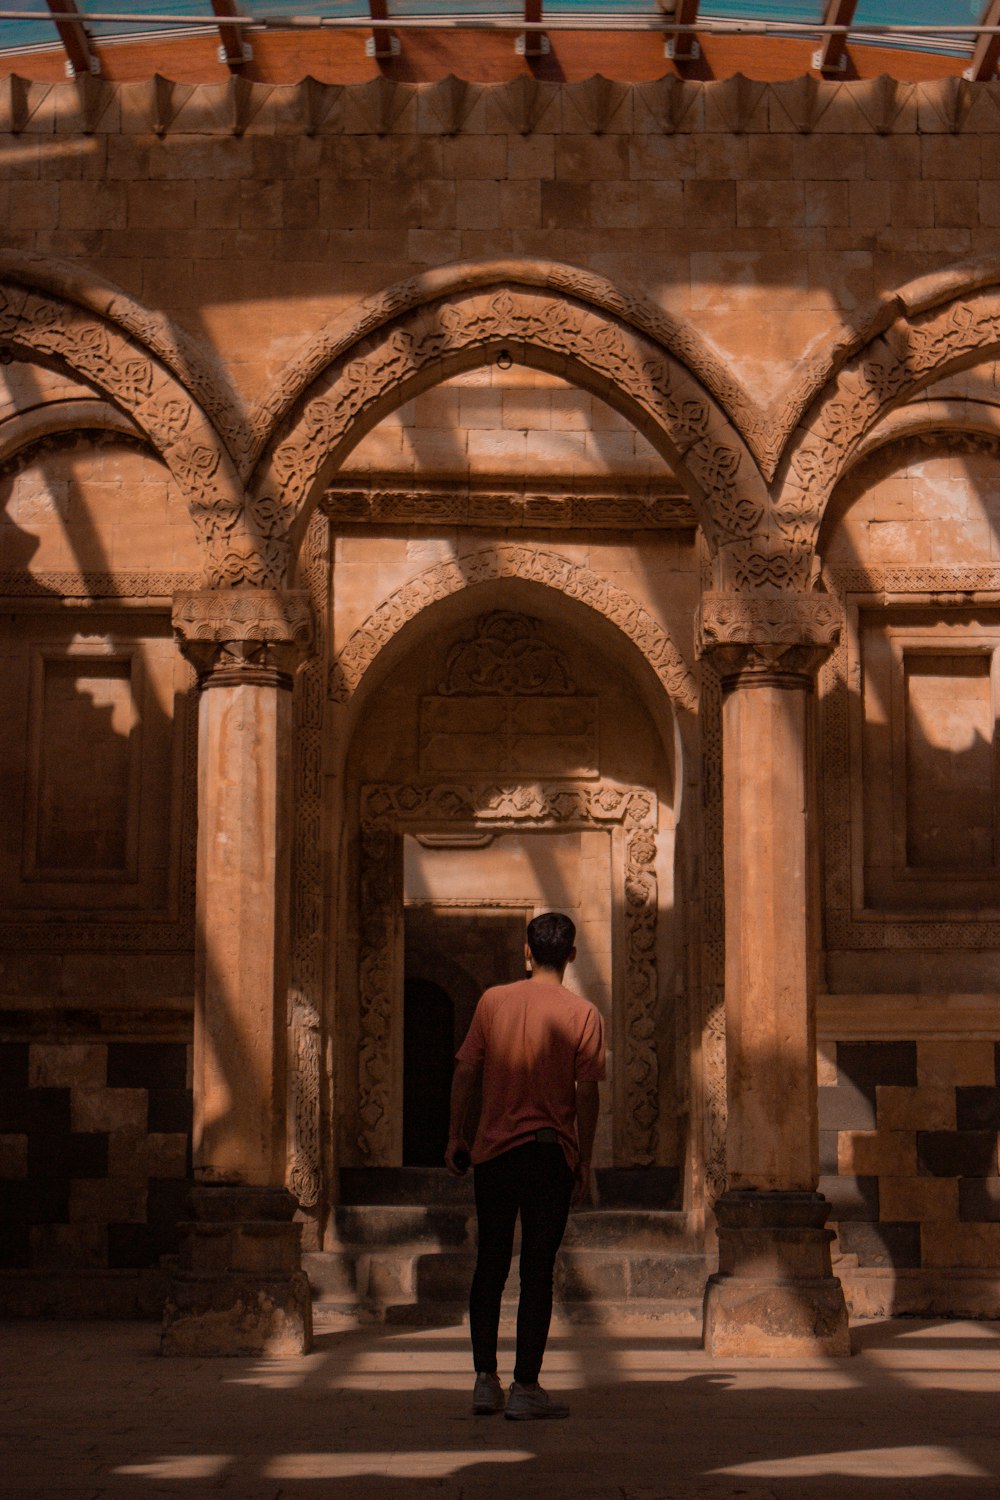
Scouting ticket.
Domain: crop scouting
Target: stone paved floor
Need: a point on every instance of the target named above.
(90, 1410)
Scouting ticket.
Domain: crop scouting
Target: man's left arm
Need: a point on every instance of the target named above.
(587, 1104)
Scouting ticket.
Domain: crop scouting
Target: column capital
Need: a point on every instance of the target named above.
(776, 640)
(243, 635)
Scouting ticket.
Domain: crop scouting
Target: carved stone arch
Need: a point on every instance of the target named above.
(404, 346)
(25, 429)
(532, 565)
(348, 331)
(195, 367)
(128, 374)
(936, 334)
(946, 424)
(923, 419)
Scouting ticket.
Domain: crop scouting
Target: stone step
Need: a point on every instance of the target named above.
(376, 1278)
(655, 1188)
(388, 1225)
(403, 1247)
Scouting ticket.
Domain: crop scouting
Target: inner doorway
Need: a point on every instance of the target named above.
(468, 897)
(451, 955)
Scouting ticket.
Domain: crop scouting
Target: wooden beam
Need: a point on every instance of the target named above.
(75, 38)
(831, 58)
(382, 42)
(684, 47)
(987, 50)
(533, 43)
(234, 50)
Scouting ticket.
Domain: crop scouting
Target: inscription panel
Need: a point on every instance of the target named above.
(527, 736)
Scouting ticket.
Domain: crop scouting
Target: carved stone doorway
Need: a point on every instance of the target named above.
(605, 836)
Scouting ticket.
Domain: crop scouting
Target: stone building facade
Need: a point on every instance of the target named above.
(429, 503)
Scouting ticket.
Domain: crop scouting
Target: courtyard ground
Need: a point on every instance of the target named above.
(89, 1410)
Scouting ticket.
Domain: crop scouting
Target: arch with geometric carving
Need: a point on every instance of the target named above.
(418, 334)
(119, 365)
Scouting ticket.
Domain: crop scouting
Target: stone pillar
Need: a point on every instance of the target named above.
(240, 1287)
(775, 1293)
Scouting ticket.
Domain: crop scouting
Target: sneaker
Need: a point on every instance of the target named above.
(487, 1397)
(525, 1405)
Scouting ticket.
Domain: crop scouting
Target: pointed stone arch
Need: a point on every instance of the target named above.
(945, 323)
(420, 333)
(532, 565)
(117, 363)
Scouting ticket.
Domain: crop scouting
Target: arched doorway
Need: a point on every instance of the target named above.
(507, 764)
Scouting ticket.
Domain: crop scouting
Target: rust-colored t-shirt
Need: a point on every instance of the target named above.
(536, 1041)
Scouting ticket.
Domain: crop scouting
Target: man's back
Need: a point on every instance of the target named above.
(536, 1040)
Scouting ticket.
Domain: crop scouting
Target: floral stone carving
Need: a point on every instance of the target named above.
(506, 654)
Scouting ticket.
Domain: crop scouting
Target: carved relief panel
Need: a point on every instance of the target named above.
(507, 706)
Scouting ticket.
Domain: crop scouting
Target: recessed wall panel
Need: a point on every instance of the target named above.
(83, 814)
(949, 761)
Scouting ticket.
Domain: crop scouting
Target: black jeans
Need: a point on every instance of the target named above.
(535, 1181)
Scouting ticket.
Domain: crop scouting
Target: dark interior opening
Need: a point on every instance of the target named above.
(451, 957)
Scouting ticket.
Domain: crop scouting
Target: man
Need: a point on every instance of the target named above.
(540, 1050)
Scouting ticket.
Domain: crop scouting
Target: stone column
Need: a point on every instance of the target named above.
(240, 1288)
(775, 1293)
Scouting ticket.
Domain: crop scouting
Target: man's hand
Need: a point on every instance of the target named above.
(456, 1157)
(581, 1184)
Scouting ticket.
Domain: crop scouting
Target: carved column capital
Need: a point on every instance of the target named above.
(776, 640)
(243, 635)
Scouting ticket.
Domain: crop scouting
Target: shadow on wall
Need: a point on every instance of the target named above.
(97, 1120)
(909, 1128)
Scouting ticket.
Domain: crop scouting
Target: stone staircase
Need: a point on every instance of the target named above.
(403, 1250)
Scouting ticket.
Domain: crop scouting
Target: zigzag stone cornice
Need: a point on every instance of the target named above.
(449, 106)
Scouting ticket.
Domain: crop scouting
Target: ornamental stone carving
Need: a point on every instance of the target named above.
(243, 635)
(308, 924)
(506, 654)
(634, 371)
(240, 545)
(676, 336)
(772, 634)
(934, 331)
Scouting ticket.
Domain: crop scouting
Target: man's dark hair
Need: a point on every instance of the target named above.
(551, 937)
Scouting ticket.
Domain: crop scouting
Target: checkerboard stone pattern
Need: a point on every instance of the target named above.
(909, 1134)
(95, 1152)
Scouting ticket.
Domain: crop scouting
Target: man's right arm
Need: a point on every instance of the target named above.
(462, 1084)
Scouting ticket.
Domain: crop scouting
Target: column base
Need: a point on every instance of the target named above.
(239, 1287)
(775, 1294)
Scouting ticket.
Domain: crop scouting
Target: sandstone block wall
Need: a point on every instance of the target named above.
(228, 229)
(95, 1153)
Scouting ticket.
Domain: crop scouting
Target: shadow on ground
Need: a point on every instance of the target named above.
(91, 1410)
